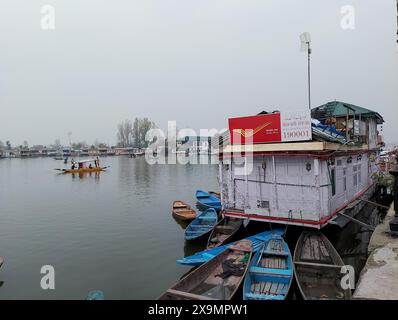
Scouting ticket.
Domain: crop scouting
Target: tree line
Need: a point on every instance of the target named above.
(132, 134)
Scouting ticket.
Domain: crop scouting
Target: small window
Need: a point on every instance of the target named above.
(345, 184)
(339, 162)
(355, 180)
(263, 204)
(355, 168)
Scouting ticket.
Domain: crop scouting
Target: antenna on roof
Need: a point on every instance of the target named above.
(305, 39)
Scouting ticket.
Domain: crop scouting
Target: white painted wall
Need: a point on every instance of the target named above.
(293, 187)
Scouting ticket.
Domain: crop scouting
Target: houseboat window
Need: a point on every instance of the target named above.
(355, 168)
(355, 180)
(339, 162)
(345, 183)
(333, 178)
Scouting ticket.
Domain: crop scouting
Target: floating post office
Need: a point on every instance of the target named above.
(302, 169)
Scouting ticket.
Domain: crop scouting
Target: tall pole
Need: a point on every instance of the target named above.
(309, 75)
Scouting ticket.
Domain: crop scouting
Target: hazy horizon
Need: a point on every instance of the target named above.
(197, 63)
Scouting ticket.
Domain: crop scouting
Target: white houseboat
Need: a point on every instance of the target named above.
(301, 169)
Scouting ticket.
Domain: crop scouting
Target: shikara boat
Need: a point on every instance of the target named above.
(202, 225)
(208, 200)
(218, 279)
(317, 267)
(270, 272)
(206, 255)
(223, 231)
(183, 211)
(83, 166)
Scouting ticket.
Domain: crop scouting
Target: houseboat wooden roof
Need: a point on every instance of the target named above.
(294, 146)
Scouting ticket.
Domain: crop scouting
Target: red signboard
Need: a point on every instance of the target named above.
(255, 129)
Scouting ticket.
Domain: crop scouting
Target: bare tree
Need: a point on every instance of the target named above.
(124, 131)
(140, 129)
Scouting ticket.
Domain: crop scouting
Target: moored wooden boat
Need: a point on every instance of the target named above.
(183, 211)
(216, 194)
(206, 255)
(202, 225)
(1, 261)
(218, 279)
(317, 267)
(208, 200)
(270, 272)
(223, 231)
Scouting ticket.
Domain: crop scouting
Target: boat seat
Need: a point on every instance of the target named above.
(258, 296)
(317, 264)
(201, 226)
(226, 227)
(188, 295)
(271, 272)
(195, 232)
(273, 253)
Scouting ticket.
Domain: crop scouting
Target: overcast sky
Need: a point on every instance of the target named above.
(194, 61)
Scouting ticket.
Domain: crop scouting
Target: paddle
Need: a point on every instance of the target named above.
(261, 254)
(60, 169)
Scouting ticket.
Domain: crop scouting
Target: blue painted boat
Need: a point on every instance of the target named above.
(208, 200)
(270, 272)
(202, 225)
(206, 255)
(95, 295)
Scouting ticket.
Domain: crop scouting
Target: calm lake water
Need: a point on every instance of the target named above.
(112, 232)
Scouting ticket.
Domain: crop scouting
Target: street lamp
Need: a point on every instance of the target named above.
(305, 39)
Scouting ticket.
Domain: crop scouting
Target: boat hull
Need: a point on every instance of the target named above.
(314, 255)
(84, 170)
(211, 281)
(202, 225)
(270, 273)
(183, 211)
(206, 255)
(208, 200)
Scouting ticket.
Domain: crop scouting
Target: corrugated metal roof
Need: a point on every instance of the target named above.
(339, 109)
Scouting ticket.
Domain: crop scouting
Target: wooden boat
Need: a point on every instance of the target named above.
(317, 267)
(81, 166)
(223, 231)
(206, 255)
(218, 279)
(216, 194)
(202, 225)
(208, 200)
(95, 295)
(1, 261)
(183, 211)
(270, 272)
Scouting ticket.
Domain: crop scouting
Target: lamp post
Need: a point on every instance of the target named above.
(305, 39)
(394, 221)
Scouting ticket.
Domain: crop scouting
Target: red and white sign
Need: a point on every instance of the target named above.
(274, 127)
